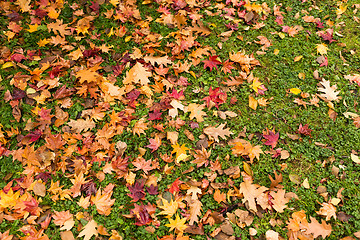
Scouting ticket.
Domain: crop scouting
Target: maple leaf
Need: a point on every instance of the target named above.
(211, 63)
(141, 164)
(216, 132)
(89, 75)
(254, 152)
(227, 66)
(64, 219)
(168, 208)
(103, 202)
(179, 149)
(175, 186)
(305, 130)
(53, 142)
(178, 224)
(216, 96)
(137, 191)
(322, 48)
(251, 192)
(155, 143)
(329, 93)
(137, 74)
(156, 115)
(8, 199)
(89, 230)
(328, 35)
(318, 229)
(271, 138)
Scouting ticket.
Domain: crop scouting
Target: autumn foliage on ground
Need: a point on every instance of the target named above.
(120, 134)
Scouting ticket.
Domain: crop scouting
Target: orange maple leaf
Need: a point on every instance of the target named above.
(103, 202)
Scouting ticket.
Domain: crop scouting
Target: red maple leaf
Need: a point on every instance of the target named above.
(120, 166)
(211, 63)
(328, 36)
(137, 191)
(216, 97)
(304, 130)
(271, 138)
(177, 95)
(154, 143)
(175, 186)
(156, 115)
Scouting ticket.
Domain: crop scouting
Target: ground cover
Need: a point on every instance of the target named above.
(179, 119)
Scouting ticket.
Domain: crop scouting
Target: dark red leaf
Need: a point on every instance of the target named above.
(156, 115)
(304, 130)
(137, 191)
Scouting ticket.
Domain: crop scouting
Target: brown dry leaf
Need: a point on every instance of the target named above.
(195, 211)
(327, 210)
(81, 125)
(173, 137)
(279, 200)
(244, 218)
(67, 235)
(219, 196)
(329, 93)
(252, 103)
(89, 230)
(318, 229)
(275, 182)
(164, 60)
(216, 132)
(39, 189)
(251, 192)
(201, 157)
(196, 111)
(271, 235)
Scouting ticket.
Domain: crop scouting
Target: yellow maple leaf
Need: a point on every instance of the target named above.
(256, 85)
(43, 42)
(114, 2)
(322, 48)
(178, 224)
(33, 28)
(179, 149)
(169, 208)
(8, 199)
(342, 8)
